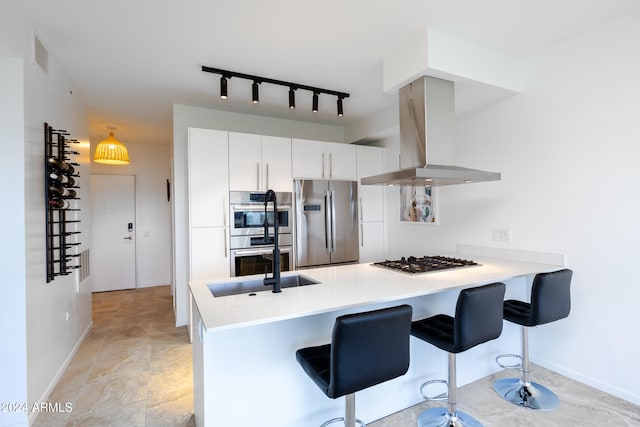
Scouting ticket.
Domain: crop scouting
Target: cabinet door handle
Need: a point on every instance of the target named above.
(323, 165)
(330, 165)
(267, 177)
(225, 244)
(360, 208)
(224, 210)
(258, 176)
(361, 236)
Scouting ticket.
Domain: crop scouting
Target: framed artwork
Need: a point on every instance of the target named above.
(417, 204)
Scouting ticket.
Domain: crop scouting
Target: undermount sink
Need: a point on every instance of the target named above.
(256, 285)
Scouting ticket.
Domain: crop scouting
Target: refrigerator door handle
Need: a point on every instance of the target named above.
(333, 219)
(327, 220)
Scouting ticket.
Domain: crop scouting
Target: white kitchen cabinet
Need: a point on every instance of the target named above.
(208, 175)
(276, 161)
(323, 160)
(209, 253)
(245, 157)
(208, 178)
(259, 163)
(371, 241)
(371, 197)
(370, 161)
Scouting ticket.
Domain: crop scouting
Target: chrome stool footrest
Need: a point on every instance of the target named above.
(531, 395)
(335, 420)
(513, 356)
(441, 396)
(440, 417)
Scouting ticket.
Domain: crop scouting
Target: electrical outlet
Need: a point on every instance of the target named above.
(501, 234)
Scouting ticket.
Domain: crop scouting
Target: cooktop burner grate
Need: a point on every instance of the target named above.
(425, 264)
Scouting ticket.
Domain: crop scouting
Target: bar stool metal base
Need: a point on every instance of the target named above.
(335, 420)
(440, 417)
(533, 395)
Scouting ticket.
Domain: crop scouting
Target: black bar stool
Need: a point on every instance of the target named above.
(478, 319)
(366, 349)
(550, 301)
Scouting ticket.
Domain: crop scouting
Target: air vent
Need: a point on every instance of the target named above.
(40, 54)
(85, 267)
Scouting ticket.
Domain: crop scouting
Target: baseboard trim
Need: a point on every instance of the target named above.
(590, 381)
(33, 415)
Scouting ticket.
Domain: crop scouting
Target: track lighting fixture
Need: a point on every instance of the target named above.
(254, 90)
(223, 87)
(225, 74)
(292, 98)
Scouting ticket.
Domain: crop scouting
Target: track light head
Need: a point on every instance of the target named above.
(314, 106)
(254, 90)
(340, 111)
(292, 98)
(223, 87)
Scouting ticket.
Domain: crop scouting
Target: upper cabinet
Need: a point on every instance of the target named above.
(323, 160)
(259, 163)
(208, 178)
(371, 197)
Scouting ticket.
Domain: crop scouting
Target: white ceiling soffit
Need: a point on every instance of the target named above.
(130, 61)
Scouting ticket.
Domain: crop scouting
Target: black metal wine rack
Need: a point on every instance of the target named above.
(61, 179)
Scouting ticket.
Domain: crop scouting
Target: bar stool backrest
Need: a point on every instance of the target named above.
(369, 348)
(478, 316)
(550, 296)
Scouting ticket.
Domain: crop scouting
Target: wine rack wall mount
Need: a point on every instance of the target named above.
(61, 178)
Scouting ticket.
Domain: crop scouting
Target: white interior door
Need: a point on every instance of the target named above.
(113, 243)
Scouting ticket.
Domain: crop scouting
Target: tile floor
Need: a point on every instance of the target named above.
(134, 369)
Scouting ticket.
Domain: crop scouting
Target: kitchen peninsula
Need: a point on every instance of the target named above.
(245, 372)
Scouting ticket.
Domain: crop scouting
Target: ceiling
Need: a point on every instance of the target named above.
(130, 61)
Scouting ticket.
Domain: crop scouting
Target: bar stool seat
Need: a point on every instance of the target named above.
(550, 301)
(366, 349)
(478, 319)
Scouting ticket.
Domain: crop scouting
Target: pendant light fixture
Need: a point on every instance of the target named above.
(111, 152)
(226, 74)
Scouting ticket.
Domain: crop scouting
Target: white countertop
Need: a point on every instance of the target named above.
(343, 287)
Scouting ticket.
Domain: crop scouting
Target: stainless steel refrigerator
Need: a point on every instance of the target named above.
(326, 222)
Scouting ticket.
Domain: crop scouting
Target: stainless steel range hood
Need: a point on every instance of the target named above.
(427, 136)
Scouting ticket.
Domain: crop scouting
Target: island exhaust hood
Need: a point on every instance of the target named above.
(427, 133)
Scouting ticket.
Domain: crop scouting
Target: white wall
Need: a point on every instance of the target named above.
(39, 308)
(151, 166)
(13, 328)
(568, 148)
(185, 117)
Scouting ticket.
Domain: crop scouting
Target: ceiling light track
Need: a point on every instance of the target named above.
(256, 80)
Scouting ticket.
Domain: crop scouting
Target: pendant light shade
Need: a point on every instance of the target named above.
(111, 152)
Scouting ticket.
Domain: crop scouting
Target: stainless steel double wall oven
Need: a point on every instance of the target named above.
(249, 254)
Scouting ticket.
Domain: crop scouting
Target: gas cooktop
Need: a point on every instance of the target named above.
(425, 264)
